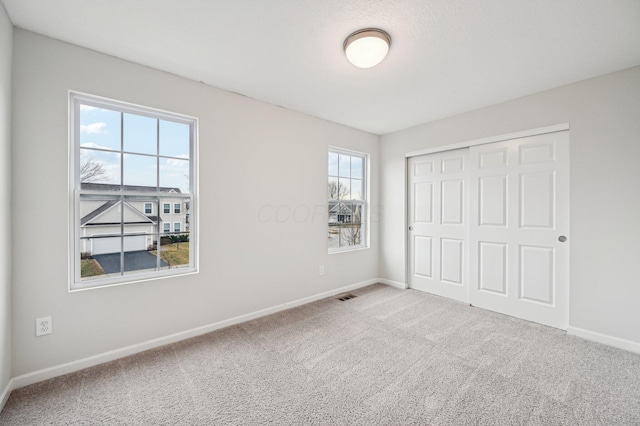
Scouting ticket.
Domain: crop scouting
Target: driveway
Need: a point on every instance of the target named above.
(133, 261)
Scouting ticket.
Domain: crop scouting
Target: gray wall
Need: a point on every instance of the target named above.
(604, 115)
(252, 155)
(6, 43)
(255, 156)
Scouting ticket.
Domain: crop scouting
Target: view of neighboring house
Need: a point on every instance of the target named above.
(143, 218)
(345, 224)
(341, 212)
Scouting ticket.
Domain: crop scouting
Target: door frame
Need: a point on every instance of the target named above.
(482, 141)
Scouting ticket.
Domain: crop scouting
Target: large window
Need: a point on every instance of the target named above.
(346, 191)
(125, 160)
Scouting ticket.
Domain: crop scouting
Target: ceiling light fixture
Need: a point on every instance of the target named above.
(366, 48)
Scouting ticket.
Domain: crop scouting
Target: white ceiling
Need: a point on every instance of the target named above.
(447, 56)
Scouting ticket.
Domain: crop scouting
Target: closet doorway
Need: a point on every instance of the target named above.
(488, 225)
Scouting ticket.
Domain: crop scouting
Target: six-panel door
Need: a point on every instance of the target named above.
(501, 247)
(520, 208)
(438, 218)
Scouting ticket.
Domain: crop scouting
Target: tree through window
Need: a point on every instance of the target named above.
(131, 165)
(346, 191)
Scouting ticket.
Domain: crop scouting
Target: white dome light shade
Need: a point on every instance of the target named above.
(367, 48)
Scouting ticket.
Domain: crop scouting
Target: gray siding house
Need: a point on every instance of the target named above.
(143, 218)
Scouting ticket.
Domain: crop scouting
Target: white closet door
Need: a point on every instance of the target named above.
(437, 217)
(519, 202)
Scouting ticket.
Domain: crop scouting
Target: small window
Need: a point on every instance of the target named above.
(176, 227)
(347, 196)
(124, 160)
(176, 208)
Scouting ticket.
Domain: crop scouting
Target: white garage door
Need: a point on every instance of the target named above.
(112, 245)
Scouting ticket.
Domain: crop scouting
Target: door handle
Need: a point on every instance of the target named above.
(562, 238)
(411, 228)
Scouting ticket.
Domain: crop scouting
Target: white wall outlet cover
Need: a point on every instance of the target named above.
(44, 326)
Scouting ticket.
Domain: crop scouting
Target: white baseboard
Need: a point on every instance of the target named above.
(396, 284)
(4, 396)
(616, 342)
(70, 367)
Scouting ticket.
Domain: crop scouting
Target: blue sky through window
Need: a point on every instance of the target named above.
(140, 134)
(100, 129)
(346, 173)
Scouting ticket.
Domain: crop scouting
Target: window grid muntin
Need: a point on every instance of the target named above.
(128, 200)
(191, 218)
(112, 151)
(363, 203)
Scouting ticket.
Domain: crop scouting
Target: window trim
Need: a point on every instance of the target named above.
(145, 208)
(164, 227)
(178, 210)
(74, 280)
(365, 202)
(179, 226)
(166, 210)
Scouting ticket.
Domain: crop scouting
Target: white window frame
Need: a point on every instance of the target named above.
(179, 208)
(179, 227)
(166, 227)
(365, 201)
(75, 282)
(166, 210)
(145, 208)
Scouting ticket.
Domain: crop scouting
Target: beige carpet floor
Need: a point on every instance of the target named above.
(386, 357)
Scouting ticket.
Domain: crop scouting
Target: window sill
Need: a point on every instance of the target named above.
(131, 279)
(348, 249)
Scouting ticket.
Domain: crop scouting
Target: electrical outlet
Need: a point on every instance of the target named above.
(44, 326)
(321, 270)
